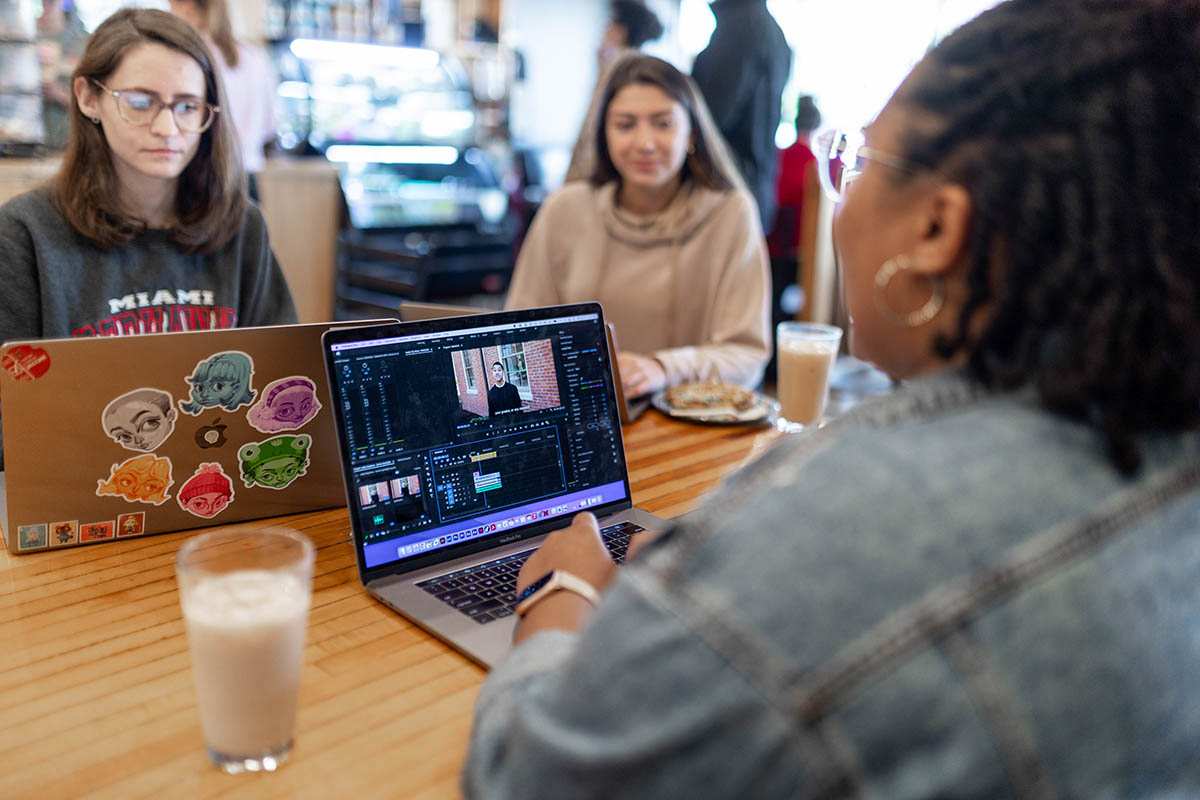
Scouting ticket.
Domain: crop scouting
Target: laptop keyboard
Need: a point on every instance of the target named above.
(488, 591)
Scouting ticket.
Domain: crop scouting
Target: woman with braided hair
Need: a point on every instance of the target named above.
(983, 585)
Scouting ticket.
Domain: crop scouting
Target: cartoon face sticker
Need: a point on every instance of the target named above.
(131, 524)
(31, 537)
(274, 463)
(220, 380)
(141, 479)
(286, 405)
(207, 493)
(140, 420)
(64, 533)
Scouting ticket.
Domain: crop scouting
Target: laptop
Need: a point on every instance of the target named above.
(631, 409)
(464, 440)
(117, 436)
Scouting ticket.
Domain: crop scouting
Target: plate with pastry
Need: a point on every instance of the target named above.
(716, 402)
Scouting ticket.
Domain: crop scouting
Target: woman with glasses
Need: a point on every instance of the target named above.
(146, 227)
(660, 230)
(983, 585)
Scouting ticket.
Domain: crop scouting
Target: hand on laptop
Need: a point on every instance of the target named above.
(578, 549)
(640, 375)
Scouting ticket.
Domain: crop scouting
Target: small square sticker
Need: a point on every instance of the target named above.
(31, 537)
(64, 533)
(131, 524)
(96, 531)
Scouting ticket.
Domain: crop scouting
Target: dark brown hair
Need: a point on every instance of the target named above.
(700, 165)
(210, 197)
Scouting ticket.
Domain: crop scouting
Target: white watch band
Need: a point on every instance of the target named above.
(559, 580)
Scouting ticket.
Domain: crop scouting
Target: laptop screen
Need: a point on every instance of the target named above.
(457, 432)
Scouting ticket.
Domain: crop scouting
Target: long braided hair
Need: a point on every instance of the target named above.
(1075, 127)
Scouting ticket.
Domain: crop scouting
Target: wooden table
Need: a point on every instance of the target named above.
(96, 696)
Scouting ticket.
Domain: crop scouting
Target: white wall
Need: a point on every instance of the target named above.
(558, 39)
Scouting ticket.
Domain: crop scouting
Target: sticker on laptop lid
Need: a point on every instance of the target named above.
(223, 380)
(25, 362)
(141, 479)
(131, 524)
(31, 537)
(97, 531)
(64, 533)
(140, 420)
(274, 463)
(207, 493)
(286, 404)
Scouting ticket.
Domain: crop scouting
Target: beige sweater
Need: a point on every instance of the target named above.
(688, 286)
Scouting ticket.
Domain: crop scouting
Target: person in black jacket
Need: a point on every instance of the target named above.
(741, 75)
(502, 396)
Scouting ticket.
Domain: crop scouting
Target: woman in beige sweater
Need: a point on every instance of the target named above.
(661, 232)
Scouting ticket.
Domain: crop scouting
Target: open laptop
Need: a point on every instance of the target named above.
(630, 409)
(117, 436)
(464, 440)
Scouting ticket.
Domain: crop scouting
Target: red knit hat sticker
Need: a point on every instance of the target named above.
(207, 493)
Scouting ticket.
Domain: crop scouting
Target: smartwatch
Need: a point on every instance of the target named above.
(550, 583)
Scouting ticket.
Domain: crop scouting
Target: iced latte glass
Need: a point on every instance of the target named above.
(245, 594)
(805, 353)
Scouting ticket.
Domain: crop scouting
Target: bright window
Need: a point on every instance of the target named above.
(512, 356)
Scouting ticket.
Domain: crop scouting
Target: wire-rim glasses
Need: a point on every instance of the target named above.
(191, 114)
(841, 156)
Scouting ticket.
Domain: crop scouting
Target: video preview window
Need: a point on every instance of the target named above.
(515, 377)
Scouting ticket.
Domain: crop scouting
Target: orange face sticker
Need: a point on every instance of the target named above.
(25, 363)
(141, 479)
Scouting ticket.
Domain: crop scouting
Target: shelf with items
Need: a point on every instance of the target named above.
(21, 127)
(375, 21)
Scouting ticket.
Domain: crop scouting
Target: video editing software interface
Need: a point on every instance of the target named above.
(462, 434)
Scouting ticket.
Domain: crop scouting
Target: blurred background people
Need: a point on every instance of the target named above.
(741, 74)
(249, 79)
(630, 26)
(661, 233)
(61, 38)
(983, 585)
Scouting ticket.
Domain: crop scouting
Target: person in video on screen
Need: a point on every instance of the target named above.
(502, 395)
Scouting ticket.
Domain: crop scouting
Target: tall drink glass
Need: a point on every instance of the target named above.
(245, 594)
(805, 354)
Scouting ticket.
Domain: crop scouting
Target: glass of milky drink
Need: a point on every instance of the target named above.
(805, 352)
(245, 594)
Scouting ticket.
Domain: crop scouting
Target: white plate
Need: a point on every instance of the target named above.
(763, 409)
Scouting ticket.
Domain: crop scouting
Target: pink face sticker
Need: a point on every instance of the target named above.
(141, 479)
(96, 531)
(131, 524)
(285, 405)
(207, 493)
(64, 533)
(25, 363)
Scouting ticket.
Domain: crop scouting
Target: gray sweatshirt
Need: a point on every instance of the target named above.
(56, 283)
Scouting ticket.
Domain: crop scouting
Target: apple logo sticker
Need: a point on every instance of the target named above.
(212, 435)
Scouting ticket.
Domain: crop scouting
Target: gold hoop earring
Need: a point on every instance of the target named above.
(937, 294)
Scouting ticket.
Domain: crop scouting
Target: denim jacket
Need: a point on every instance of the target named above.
(947, 593)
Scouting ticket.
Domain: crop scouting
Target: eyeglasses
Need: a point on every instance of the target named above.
(191, 114)
(840, 156)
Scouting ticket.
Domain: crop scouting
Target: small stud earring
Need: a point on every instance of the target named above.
(95, 120)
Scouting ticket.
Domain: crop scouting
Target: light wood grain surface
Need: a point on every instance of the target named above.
(96, 696)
